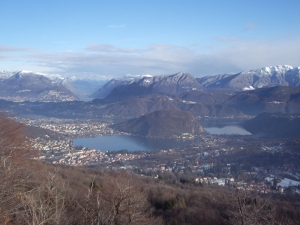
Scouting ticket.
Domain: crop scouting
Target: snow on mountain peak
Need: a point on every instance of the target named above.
(248, 88)
(271, 69)
(133, 77)
(147, 75)
(25, 71)
(6, 74)
(280, 68)
(180, 73)
(31, 72)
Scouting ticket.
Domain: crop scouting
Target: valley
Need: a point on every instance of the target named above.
(171, 129)
(149, 112)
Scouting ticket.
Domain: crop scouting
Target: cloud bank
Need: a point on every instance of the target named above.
(232, 55)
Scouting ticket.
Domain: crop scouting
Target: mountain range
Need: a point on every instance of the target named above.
(31, 86)
(253, 79)
(25, 85)
(201, 104)
(183, 82)
(170, 85)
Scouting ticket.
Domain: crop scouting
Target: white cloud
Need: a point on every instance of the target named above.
(255, 54)
(159, 59)
(156, 59)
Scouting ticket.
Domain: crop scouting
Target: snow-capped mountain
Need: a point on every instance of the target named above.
(6, 74)
(183, 82)
(177, 83)
(252, 79)
(53, 77)
(172, 84)
(29, 86)
(141, 80)
(98, 87)
(81, 87)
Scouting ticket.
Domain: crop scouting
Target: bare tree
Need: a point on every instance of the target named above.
(246, 208)
(13, 142)
(118, 200)
(28, 196)
(46, 203)
(13, 178)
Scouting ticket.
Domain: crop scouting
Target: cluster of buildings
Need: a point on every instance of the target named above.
(71, 127)
(51, 146)
(93, 156)
(197, 161)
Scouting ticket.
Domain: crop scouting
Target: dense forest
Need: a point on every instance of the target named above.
(34, 192)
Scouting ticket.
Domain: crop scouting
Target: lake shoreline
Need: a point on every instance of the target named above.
(119, 142)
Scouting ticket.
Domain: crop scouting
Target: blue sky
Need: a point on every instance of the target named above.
(119, 37)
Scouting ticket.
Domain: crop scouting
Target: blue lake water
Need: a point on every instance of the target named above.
(228, 129)
(130, 143)
(133, 143)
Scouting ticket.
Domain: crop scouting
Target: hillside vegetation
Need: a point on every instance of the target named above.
(33, 192)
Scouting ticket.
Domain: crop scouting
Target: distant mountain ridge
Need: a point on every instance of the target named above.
(134, 86)
(201, 104)
(78, 87)
(170, 85)
(248, 80)
(183, 82)
(28, 86)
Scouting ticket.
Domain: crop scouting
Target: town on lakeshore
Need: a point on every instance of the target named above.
(244, 162)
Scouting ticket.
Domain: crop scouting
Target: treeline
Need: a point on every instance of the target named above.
(33, 192)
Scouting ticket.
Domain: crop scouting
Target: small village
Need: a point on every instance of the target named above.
(195, 165)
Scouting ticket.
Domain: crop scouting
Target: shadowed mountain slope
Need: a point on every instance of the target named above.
(274, 125)
(162, 124)
(282, 99)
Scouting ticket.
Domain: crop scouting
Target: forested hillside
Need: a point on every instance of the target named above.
(33, 192)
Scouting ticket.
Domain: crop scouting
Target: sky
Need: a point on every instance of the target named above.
(97, 38)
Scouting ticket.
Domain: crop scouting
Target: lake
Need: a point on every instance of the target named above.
(227, 129)
(131, 143)
(134, 143)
